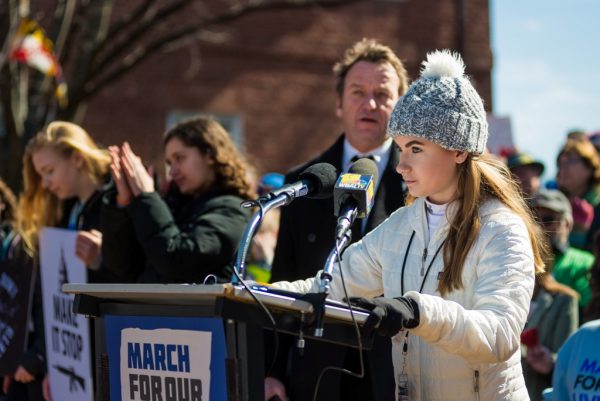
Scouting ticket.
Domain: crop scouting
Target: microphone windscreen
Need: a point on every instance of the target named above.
(364, 166)
(322, 177)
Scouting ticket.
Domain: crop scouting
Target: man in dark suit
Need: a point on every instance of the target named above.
(370, 80)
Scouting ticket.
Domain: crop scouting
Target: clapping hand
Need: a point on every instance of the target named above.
(130, 176)
(124, 194)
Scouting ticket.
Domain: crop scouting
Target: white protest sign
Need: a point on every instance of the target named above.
(500, 134)
(165, 364)
(68, 349)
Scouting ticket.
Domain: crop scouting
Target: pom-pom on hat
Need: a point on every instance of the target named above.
(442, 106)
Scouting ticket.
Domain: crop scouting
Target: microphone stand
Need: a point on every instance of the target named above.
(325, 280)
(264, 206)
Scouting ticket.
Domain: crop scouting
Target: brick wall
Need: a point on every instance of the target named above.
(273, 70)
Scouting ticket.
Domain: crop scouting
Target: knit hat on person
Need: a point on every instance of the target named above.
(554, 200)
(442, 106)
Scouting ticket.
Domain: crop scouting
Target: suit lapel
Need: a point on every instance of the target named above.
(390, 193)
(333, 155)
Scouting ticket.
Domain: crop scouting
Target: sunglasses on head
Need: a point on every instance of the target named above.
(549, 218)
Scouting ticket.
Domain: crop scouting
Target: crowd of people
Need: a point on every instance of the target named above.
(477, 274)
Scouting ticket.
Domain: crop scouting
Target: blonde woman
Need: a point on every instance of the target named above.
(65, 176)
(457, 265)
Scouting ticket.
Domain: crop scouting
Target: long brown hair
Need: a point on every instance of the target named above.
(481, 178)
(211, 139)
(39, 207)
(549, 283)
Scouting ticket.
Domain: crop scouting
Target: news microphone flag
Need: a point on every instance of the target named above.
(358, 186)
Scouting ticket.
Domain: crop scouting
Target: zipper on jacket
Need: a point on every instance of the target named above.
(423, 262)
(477, 385)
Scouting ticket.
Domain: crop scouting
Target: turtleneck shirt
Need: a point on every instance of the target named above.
(435, 214)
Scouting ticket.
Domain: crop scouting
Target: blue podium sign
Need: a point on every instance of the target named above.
(166, 358)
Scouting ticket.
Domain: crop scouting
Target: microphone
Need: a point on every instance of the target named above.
(315, 182)
(353, 194)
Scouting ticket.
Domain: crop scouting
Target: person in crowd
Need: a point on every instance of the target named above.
(65, 175)
(370, 80)
(553, 317)
(577, 134)
(569, 266)
(194, 230)
(592, 310)
(578, 177)
(569, 367)
(526, 171)
(270, 182)
(457, 265)
(575, 375)
(594, 138)
(25, 384)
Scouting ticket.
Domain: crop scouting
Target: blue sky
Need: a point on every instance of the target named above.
(546, 74)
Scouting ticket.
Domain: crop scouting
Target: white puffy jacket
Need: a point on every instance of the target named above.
(466, 346)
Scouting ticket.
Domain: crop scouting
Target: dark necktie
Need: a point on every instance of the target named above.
(359, 226)
(356, 157)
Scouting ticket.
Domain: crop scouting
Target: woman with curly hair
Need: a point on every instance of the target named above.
(191, 232)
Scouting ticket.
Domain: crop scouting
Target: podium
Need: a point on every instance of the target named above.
(194, 342)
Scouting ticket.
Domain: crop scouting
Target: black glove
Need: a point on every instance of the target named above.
(389, 315)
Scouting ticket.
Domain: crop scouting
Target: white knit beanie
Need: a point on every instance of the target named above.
(442, 106)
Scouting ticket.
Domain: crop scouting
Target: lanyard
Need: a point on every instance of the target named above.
(403, 378)
(74, 216)
(6, 243)
(428, 267)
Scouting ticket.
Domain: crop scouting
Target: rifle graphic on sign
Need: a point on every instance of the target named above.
(73, 377)
(63, 273)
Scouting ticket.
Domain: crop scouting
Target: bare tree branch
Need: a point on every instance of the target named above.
(95, 50)
(13, 25)
(128, 19)
(151, 18)
(94, 31)
(141, 52)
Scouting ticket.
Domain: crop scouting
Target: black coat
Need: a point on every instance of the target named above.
(306, 236)
(90, 219)
(182, 241)
(33, 358)
(306, 232)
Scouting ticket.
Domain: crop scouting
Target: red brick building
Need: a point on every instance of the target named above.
(271, 79)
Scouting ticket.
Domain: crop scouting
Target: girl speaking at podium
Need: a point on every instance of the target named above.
(457, 265)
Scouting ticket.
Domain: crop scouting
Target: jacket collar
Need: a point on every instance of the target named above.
(333, 155)
(418, 222)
